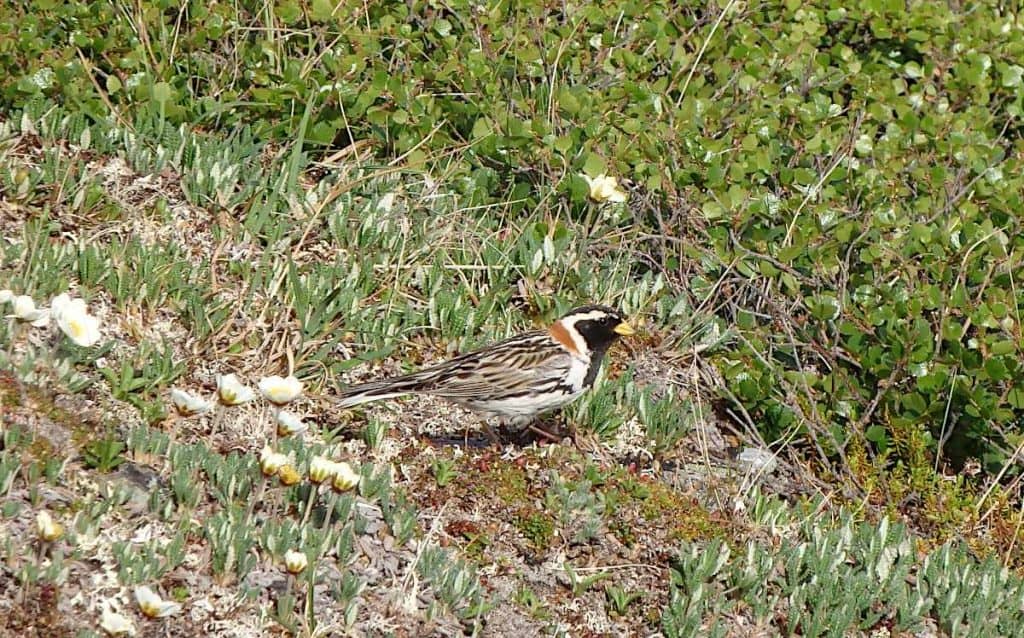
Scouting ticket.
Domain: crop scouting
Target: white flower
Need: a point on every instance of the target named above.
(271, 461)
(74, 320)
(344, 478)
(289, 424)
(605, 189)
(321, 469)
(295, 561)
(115, 624)
(152, 605)
(63, 302)
(25, 310)
(280, 390)
(187, 403)
(48, 529)
(232, 391)
(6, 296)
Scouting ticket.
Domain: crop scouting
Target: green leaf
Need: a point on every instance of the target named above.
(712, 210)
(567, 101)
(914, 403)
(482, 127)
(1016, 398)
(875, 434)
(162, 92)
(288, 11)
(995, 368)
(322, 10)
(563, 144)
(442, 27)
(1003, 347)
(594, 165)
(579, 190)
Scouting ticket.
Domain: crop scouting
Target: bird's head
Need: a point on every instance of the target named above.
(592, 329)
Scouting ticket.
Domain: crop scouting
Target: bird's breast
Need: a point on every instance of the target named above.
(579, 369)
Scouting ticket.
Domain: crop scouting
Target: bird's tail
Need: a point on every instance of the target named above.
(379, 390)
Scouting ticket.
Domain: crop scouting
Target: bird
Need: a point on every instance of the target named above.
(517, 379)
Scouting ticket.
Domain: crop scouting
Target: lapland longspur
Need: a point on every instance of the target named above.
(518, 378)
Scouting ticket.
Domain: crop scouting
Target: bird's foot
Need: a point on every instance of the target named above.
(543, 433)
(492, 435)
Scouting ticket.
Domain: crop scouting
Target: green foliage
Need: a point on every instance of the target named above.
(666, 420)
(538, 528)
(854, 169)
(334, 96)
(532, 603)
(620, 599)
(231, 539)
(374, 432)
(838, 185)
(139, 379)
(877, 207)
(580, 584)
(10, 464)
(444, 471)
(579, 508)
(104, 454)
(605, 407)
(852, 577)
(455, 581)
(138, 563)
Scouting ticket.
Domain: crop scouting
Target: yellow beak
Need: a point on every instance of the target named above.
(624, 329)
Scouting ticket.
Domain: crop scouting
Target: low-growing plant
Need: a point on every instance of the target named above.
(138, 380)
(603, 409)
(374, 433)
(443, 470)
(666, 420)
(104, 454)
(138, 563)
(536, 527)
(231, 538)
(580, 584)
(850, 577)
(620, 598)
(10, 465)
(533, 603)
(347, 595)
(579, 508)
(455, 582)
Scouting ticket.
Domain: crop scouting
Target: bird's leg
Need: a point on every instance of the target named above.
(491, 434)
(534, 426)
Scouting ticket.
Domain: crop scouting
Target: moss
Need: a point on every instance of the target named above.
(502, 480)
(623, 531)
(659, 506)
(39, 448)
(537, 527)
(38, 614)
(10, 393)
(478, 540)
(934, 505)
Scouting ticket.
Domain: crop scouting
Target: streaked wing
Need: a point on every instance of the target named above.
(511, 367)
